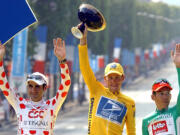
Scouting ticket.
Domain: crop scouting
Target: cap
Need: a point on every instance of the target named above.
(160, 83)
(114, 68)
(38, 78)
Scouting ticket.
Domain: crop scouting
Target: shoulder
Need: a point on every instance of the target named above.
(128, 99)
(149, 116)
(173, 108)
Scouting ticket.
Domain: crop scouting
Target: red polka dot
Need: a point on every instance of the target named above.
(7, 85)
(67, 82)
(3, 74)
(46, 132)
(20, 98)
(67, 71)
(63, 94)
(52, 112)
(54, 101)
(20, 117)
(48, 102)
(6, 93)
(32, 131)
(22, 132)
(62, 65)
(1, 82)
(57, 95)
(51, 125)
(1, 63)
(62, 76)
(22, 106)
(61, 87)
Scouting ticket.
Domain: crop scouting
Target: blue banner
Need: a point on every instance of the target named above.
(19, 54)
(128, 58)
(117, 42)
(54, 64)
(15, 16)
(76, 67)
(71, 40)
(94, 63)
(41, 33)
(29, 62)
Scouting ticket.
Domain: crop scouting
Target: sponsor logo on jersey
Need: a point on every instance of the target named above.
(111, 110)
(159, 127)
(36, 114)
(90, 115)
(34, 124)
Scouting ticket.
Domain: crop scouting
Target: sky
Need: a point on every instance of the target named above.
(170, 2)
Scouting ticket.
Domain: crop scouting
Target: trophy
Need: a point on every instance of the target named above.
(90, 16)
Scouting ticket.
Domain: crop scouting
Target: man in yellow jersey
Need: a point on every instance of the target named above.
(109, 109)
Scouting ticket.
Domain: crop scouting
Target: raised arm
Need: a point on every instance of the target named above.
(59, 49)
(175, 56)
(4, 85)
(60, 53)
(2, 52)
(85, 68)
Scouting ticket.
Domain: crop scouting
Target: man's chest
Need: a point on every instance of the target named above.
(35, 116)
(162, 124)
(110, 109)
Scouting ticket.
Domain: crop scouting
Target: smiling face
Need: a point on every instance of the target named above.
(35, 91)
(162, 98)
(114, 82)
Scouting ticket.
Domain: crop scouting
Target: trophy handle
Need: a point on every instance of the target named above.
(78, 30)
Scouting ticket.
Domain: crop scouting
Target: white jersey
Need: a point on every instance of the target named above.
(36, 118)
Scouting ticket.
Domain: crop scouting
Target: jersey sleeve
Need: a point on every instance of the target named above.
(144, 128)
(10, 94)
(57, 101)
(86, 70)
(130, 123)
(178, 100)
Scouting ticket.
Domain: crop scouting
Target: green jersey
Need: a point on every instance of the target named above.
(163, 122)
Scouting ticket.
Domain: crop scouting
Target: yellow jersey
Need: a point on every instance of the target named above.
(108, 113)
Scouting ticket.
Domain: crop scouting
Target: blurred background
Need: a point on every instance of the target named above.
(139, 34)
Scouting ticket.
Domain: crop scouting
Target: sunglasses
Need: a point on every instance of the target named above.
(36, 77)
(161, 81)
(33, 86)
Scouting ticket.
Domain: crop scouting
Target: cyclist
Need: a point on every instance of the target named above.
(109, 109)
(164, 120)
(35, 115)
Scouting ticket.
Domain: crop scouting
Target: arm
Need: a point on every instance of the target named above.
(144, 128)
(4, 85)
(178, 100)
(176, 59)
(60, 53)
(85, 68)
(130, 123)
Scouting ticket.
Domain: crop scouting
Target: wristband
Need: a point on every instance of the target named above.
(62, 61)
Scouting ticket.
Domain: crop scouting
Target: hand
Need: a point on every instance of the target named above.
(83, 40)
(59, 49)
(2, 51)
(175, 56)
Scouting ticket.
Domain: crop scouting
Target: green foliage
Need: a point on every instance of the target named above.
(122, 21)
